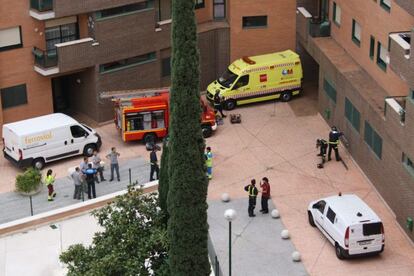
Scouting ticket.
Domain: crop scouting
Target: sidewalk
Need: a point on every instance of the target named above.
(257, 248)
(15, 206)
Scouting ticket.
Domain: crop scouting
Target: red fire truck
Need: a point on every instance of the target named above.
(144, 114)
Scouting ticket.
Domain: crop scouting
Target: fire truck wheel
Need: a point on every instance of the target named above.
(230, 104)
(149, 138)
(286, 96)
(207, 131)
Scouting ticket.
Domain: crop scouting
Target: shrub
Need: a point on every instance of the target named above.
(29, 181)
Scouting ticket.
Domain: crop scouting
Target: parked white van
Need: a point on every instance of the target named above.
(37, 141)
(349, 224)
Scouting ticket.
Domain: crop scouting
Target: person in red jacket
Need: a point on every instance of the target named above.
(265, 195)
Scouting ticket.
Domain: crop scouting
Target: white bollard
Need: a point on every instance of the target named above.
(225, 197)
(285, 234)
(275, 213)
(296, 256)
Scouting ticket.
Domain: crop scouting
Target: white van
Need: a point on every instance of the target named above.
(37, 141)
(349, 224)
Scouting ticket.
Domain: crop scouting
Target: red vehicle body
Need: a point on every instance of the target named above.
(147, 118)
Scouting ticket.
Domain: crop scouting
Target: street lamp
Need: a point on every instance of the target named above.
(230, 215)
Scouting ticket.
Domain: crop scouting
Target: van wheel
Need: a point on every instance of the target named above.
(207, 131)
(149, 138)
(286, 96)
(89, 149)
(38, 163)
(230, 104)
(310, 218)
(339, 252)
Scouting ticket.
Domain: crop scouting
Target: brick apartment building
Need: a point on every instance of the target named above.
(362, 50)
(59, 55)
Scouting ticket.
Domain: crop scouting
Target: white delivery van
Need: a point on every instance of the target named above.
(37, 141)
(349, 224)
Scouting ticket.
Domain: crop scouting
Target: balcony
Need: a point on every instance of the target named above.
(41, 9)
(395, 107)
(319, 28)
(67, 57)
(400, 56)
(313, 26)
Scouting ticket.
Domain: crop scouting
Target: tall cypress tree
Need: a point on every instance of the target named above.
(187, 207)
(163, 184)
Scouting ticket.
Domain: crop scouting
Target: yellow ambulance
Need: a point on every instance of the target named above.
(259, 78)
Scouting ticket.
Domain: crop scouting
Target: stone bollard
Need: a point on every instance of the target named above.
(225, 197)
(296, 256)
(285, 234)
(275, 214)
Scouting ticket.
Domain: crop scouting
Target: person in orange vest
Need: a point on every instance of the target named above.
(265, 195)
(49, 182)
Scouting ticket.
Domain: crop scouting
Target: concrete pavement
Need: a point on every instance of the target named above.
(15, 206)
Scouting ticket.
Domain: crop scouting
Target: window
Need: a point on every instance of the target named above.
(373, 140)
(254, 21)
(329, 90)
(219, 9)
(320, 205)
(408, 163)
(331, 215)
(59, 34)
(199, 4)
(166, 67)
(243, 81)
(369, 229)
(386, 5)
(11, 38)
(382, 56)
(352, 114)
(123, 10)
(77, 131)
(356, 32)
(13, 96)
(336, 14)
(126, 63)
(371, 47)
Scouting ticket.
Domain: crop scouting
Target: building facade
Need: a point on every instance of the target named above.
(366, 84)
(58, 55)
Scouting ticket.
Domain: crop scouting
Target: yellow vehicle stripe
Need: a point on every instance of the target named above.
(262, 92)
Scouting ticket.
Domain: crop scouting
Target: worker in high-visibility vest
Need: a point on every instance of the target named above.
(333, 142)
(252, 190)
(209, 162)
(49, 181)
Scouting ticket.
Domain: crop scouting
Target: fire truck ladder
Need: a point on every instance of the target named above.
(123, 97)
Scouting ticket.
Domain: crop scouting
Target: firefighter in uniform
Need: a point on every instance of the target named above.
(252, 190)
(323, 145)
(334, 143)
(209, 162)
(218, 105)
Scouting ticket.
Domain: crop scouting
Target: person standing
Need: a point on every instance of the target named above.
(96, 164)
(49, 181)
(154, 163)
(265, 195)
(84, 164)
(218, 105)
(77, 181)
(209, 162)
(252, 190)
(334, 135)
(113, 157)
(90, 179)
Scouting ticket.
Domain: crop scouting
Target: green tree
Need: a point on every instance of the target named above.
(134, 240)
(187, 207)
(163, 181)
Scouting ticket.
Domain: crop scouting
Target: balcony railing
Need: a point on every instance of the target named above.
(45, 59)
(319, 28)
(41, 5)
(397, 104)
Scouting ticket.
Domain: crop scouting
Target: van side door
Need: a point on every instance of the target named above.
(241, 86)
(331, 226)
(78, 139)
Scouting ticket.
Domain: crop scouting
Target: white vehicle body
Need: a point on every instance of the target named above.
(349, 224)
(40, 140)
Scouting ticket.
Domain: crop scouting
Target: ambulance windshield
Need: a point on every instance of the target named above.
(227, 78)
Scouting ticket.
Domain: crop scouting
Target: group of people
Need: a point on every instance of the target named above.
(253, 192)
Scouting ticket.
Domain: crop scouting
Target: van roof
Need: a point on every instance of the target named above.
(40, 124)
(348, 206)
(243, 64)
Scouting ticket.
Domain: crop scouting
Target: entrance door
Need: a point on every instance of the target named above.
(60, 90)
